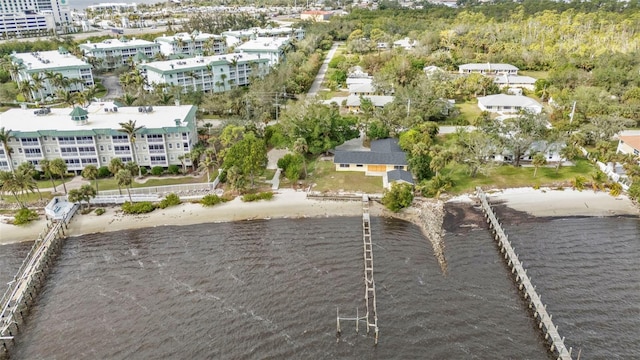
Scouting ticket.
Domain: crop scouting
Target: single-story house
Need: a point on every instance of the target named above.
(352, 102)
(363, 88)
(397, 176)
(515, 81)
(550, 151)
(316, 15)
(405, 43)
(502, 103)
(629, 145)
(384, 155)
(488, 68)
(432, 69)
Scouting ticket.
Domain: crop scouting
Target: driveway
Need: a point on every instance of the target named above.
(112, 84)
(315, 87)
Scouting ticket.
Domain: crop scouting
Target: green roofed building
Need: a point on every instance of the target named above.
(90, 136)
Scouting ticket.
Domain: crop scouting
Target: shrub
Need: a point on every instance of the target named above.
(157, 170)
(143, 170)
(25, 216)
(103, 172)
(174, 169)
(99, 211)
(169, 200)
(400, 196)
(267, 195)
(211, 200)
(634, 191)
(138, 208)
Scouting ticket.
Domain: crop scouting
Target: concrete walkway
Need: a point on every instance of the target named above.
(315, 87)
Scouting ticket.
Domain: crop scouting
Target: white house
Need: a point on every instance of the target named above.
(206, 73)
(515, 81)
(37, 65)
(488, 68)
(405, 43)
(90, 136)
(502, 103)
(629, 145)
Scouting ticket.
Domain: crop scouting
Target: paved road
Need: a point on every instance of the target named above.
(112, 84)
(315, 87)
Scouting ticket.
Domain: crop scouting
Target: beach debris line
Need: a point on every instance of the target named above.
(371, 315)
(544, 319)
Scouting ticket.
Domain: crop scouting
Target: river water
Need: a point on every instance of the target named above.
(269, 290)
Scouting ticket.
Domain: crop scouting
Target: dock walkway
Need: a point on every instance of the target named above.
(545, 324)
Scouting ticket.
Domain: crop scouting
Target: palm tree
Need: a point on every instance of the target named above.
(128, 99)
(5, 137)
(28, 169)
(38, 83)
(9, 184)
(45, 166)
(193, 77)
(165, 98)
(124, 178)
(25, 87)
(67, 97)
(130, 129)
(14, 69)
(301, 147)
(224, 83)
(538, 160)
(234, 63)
(114, 166)
(91, 172)
(59, 167)
(206, 164)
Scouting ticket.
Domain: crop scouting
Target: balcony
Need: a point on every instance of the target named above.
(122, 152)
(155, 140)
(120, 141)
(66, 142)
(69, 154)
(87, 153)
(30, 143)
(85, 141)
(158, 162)
(156, 151)
(31, 156)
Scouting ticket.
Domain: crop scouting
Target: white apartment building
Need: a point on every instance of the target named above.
(206, 73)
(113, 53)
(251, 33)
(196, 43)
(59, 9)
(26, 24)
(488, 68)
(270, 48)
(90, 136)
(58, 61)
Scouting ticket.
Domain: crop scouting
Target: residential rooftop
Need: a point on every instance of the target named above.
(488, 67)
(263, 44)
(631, 140)
(100, 117)
(47, 60)
(186, 37)
(200, 61)
(508, 100)
(115, 44)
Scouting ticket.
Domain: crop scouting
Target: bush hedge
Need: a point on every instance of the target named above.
(157, 170)
(211, 200)
(169, 200)
(267, 195)
(99, 211)
(25, 216)
(138, 208)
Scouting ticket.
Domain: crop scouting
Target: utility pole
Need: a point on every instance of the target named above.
(408, 107)
(277, 106)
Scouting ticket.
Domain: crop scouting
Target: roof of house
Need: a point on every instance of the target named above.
(514, 79)
(508, 100)
(383, 152)
(377, 100)
(364, 87)
(487, 67)
(400, 175)
(263, 44)
(186, 37)
(116, 44)
(198, 62)
(631, 140)
(47, 60)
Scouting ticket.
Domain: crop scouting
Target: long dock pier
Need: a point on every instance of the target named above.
(545, 324)
(23, 289)
(371, 315)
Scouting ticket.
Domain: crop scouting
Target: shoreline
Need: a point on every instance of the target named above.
(292, 204)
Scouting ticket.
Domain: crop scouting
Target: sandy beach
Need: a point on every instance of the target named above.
(289, 203)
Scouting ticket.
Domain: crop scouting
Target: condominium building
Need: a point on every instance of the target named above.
(114, 53)
(26, 12)
(90, 136)
(488, 68)
(41, 69)
(196, 43)
(206, 73)
(266, 47)
(284, 31)
(26, 24)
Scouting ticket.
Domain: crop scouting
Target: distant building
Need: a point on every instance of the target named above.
(272, 49)
(76, 72)
(488, 68)
(90, 136)
(502, 103)
(352, 102)
(113, 53)
(316, 15)
(196, 43)
(206, 73)
(255, 32)
(515, 81)
(26, 24)
(405, 43)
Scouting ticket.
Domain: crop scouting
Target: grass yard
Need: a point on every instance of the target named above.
(507, 176)
(534, 74)
(469, 110)
(326, 178)
(27, 198)
(111, 184)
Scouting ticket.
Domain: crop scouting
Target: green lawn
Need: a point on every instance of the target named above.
(111, 184)
(507, 176)
(45, 183)
(326, 178)
(469, 110)
(534, 74)
(27, 198)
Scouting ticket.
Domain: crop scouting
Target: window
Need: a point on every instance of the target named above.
(104, 159)
(101, 148)
(636, 152)
(344, 165)
(170, 146)
(359, 165)
(398, 167)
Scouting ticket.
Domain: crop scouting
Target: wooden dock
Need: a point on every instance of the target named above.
(545, 324)
(22, 290)
(371, 315)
